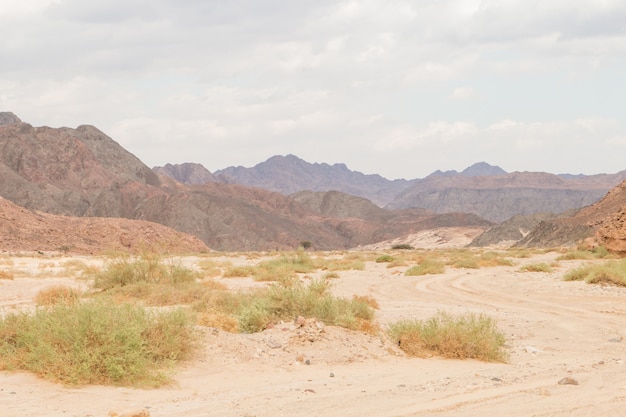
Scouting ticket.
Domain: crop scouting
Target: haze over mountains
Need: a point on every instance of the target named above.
(284, 201)
(481, 189)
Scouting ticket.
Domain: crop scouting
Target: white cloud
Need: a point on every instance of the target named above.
(463, 94)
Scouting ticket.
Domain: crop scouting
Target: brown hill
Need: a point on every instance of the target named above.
(29, 230)
(83, 172)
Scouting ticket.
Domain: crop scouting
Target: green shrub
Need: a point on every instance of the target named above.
(599, 252)
(612, 272)
(95, 343)
(284, 301)
(402, 246)
(384, 258)
(538, 267)
(148, 268)
(425, 267)
(469, 336)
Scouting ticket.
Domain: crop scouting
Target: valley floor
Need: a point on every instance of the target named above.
(554, 329)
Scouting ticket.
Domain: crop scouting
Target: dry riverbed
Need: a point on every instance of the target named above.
(565, 341)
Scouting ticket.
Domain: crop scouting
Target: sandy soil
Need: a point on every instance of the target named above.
(554, 329)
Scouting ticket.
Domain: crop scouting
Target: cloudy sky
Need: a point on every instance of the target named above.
(398, 88)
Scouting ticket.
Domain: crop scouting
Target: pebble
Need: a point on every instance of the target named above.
(568, 381)
(332, 375)
(532, 349)
(272, 344)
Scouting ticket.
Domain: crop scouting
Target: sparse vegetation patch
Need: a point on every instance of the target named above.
(611, 272)
(425, 267)
(468, 336)
(536, 267)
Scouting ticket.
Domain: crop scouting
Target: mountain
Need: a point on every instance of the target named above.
(482, 189)
(290, 174)
(482, 169)
(501, 196)
(83, 172)
(188, 173)
(479, 169)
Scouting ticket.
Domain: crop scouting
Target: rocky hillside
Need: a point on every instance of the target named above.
(83, 172)
(602, 219)
(511, 231)
(29, 230)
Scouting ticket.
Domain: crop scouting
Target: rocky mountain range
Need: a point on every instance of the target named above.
(481, 189)
(83, 172)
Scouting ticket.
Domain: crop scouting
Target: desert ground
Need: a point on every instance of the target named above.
(554, 330)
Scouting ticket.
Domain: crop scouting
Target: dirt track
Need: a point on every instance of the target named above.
(554, 329)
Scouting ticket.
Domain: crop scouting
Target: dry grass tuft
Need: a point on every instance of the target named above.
(537, 267)
(8, 275)
(58, 294)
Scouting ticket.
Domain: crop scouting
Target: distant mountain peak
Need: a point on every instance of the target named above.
(8, 118)
(482, 169)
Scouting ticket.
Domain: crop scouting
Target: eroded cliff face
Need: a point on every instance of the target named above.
(612, 233)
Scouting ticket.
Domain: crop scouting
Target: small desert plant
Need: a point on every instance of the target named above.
(402, 246)
(57, 294)
(367, 299)
(612, 272)
(384, 258)
(95, 343)
(150, 279)
(492, 258)
(148, 268)
(425, 267)
(289, 299)
(468, 336)
(537, 267)
(331, 275)
(346, 264)
(239, 271)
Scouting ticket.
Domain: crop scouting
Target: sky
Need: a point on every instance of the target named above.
(389, 87)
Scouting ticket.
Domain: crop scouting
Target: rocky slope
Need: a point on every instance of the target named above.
(602, 219)
(29, 230)
(510, 231)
